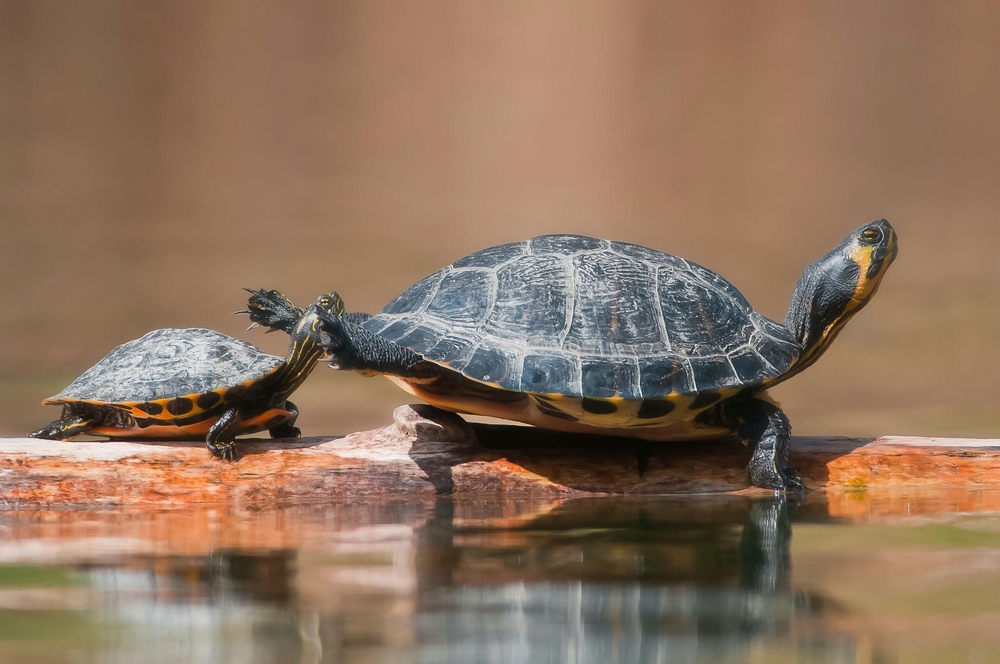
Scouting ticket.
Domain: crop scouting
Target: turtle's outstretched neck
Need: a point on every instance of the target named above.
(304, 349)
(836, 287)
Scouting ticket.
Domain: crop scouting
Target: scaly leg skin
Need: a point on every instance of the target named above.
(354, 348)
(272, 310)
(221, 439)
(287, 429)
(762, 426)
(64, 428)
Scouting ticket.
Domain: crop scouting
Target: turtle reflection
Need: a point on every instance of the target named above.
(705, 578)
(604, 580)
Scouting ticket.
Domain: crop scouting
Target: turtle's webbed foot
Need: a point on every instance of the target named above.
(335, 337)
(225, 451)
(767, 476)
(271, 309)
(221, 439)
(792, 481)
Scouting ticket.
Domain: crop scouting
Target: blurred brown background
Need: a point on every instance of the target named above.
(157, 156)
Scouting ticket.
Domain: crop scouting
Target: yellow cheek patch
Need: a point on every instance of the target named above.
(867, 286)
(863, 257)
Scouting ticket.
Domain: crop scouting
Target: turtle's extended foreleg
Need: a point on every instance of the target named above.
(353, 347)
(68, 426)
(221, 439)
(761, 425)
(287, 429)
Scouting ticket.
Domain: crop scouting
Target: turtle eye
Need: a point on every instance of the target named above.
(871, 236)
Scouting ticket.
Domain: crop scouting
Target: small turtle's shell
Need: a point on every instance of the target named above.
(582, 317)
(170, 363)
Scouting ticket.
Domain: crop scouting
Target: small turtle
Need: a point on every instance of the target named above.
(574, 333)
(191, 384)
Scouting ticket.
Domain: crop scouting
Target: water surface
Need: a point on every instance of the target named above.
(860, 578)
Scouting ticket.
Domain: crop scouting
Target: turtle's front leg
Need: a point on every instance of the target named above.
(66, 427)
(353, 347)
(221, 439)
(765, 428)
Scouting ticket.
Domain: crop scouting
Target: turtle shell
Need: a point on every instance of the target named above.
(170, 369)
(583, 317)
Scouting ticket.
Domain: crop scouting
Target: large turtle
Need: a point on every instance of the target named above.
(579, 334)
(193, 383)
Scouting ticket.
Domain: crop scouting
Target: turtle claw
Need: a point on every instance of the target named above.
(225, 451)
(47, 432)
(271, 309)
(769, 477)
(792, 481)
(333, 327)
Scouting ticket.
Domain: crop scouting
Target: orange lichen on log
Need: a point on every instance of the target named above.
(428, 452)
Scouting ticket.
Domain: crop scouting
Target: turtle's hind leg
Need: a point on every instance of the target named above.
(221, 439)
(69, 425)
(287, 429)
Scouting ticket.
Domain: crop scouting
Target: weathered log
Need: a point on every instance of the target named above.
(428, 452)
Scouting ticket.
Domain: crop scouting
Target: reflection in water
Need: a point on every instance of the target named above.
(603, 581)
(701, 579)
(765, 546)
(227, 606)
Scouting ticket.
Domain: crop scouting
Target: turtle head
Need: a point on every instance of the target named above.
(331, 303)
(308, 330)
(837, 286)
(308, 339)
